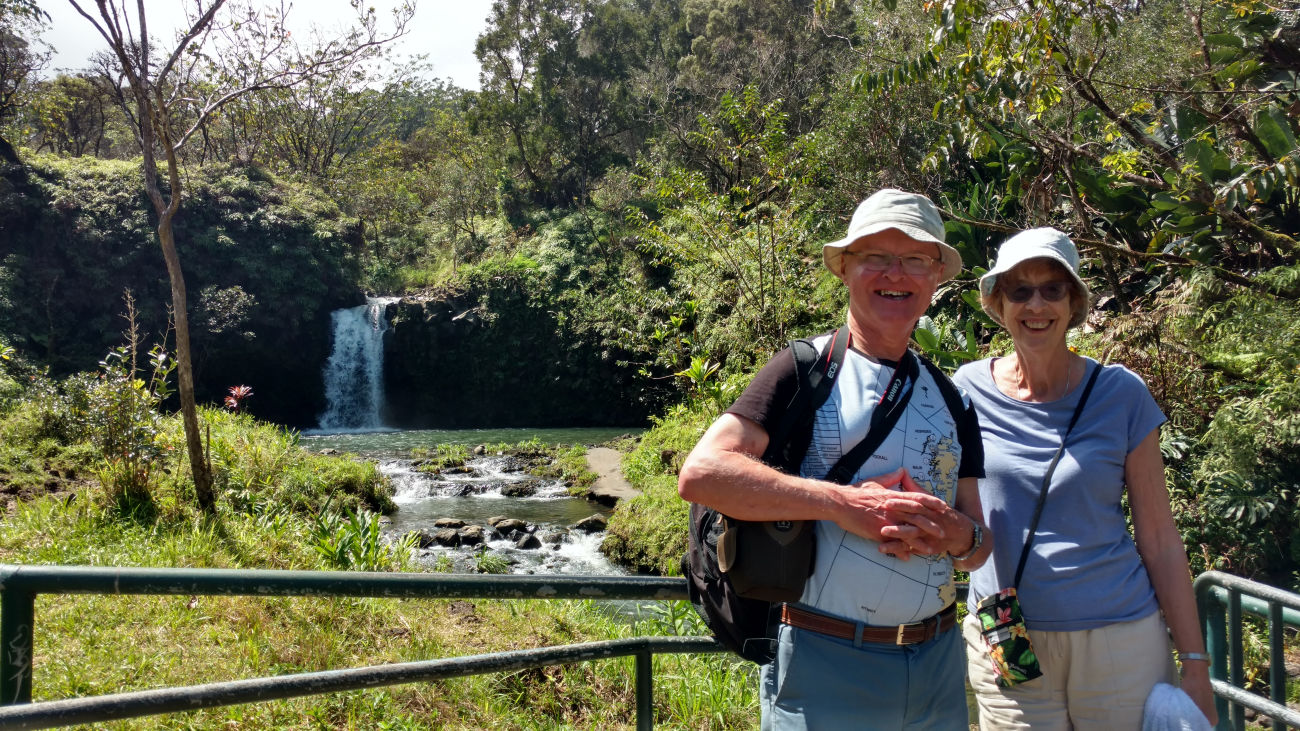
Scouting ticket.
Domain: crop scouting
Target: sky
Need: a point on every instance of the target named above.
(443, 30)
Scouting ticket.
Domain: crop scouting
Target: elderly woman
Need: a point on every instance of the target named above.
(1100, 609)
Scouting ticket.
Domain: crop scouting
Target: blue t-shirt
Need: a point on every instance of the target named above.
(1083, 570)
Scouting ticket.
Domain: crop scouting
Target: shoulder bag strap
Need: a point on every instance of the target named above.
(1047, 479)
(886, 414)
(816, 377)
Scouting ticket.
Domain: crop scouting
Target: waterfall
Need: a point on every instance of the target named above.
(354, 374)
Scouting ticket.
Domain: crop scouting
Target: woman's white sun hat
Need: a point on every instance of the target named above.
(1036, 243)
(911, 213)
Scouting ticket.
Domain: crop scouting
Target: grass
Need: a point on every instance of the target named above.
(569, 465)
(92, 645)
(649, 531)
(271, 492)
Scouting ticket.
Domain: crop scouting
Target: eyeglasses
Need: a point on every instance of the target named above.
(879, 261)
(1051, 292)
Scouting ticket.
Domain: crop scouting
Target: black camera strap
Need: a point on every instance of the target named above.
(1047, 479)
(883, 418)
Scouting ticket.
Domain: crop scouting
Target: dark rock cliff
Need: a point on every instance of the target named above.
(455, 362)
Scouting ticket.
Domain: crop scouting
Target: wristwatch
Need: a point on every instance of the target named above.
(977, 540)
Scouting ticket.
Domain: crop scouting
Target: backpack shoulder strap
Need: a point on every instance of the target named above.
(946, 387)
(816, 373)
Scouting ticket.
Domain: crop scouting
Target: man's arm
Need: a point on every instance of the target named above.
(724, 472)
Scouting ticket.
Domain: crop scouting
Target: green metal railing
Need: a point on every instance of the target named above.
(19, 586)
(1220, 599)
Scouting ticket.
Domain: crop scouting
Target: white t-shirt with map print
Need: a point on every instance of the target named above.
(852, 578)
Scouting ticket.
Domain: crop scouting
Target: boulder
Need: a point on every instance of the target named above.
(449, 523)
(506, 526)
(447, 537)
(528, 541)
(424, 539)
(520, 489)
(513, 463)
(592, 524)
(496, 519)
(554, 538)
(471, 535)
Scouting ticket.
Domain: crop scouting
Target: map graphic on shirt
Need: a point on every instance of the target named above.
(852, 578)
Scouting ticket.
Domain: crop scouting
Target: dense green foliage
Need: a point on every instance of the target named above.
(266, 262)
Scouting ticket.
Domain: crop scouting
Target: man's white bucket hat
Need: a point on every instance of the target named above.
(1036, 243)
(911, 213)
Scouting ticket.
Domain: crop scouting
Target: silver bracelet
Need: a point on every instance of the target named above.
(1185, 656)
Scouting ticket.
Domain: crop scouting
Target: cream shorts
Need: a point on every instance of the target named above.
(1092, 679)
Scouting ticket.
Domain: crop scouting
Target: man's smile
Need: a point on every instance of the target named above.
(893, 294)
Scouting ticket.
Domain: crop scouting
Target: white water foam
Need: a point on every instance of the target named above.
(424, 497)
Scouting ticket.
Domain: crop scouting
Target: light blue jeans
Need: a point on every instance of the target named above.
(820, 682)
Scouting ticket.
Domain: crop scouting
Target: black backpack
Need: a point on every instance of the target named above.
(744, 625)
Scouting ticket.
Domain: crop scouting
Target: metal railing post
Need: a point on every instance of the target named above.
(1216, 630)
(1277, 661)
(1236, 657)
(17, 615)
(645, 713)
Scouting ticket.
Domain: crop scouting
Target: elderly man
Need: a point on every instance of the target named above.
(870, 644)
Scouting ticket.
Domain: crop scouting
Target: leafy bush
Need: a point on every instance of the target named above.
(1222, 361)
(351, 539)
(126, 425)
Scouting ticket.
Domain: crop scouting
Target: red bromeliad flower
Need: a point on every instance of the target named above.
(237, 395)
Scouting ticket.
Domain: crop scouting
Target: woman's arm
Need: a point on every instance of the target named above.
(1165, 558)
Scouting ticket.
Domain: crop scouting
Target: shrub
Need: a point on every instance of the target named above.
(352, 539)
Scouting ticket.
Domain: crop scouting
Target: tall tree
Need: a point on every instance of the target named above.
(1166, 130)
(73, 115)
(171, 96)
(20, 61)
(556, 82)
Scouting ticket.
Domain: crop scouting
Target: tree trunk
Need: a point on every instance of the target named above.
(8, 153)
(184, 368)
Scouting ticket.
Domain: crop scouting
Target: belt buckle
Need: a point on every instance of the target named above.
(899, 639)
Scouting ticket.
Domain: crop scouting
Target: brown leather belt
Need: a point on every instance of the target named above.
(903, 634)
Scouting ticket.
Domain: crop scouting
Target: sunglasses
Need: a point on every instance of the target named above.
(1051, 292)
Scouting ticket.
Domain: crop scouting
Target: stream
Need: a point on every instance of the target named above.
(489, 489)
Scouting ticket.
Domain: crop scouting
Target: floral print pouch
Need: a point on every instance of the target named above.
(1003, 628)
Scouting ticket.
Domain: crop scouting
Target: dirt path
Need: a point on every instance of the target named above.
(610, 487)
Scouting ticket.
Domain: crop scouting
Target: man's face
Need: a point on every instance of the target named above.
(890, 300)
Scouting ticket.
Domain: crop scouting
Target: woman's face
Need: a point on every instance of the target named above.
(1036, 322)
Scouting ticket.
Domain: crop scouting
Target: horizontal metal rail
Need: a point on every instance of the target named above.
(19, 586)
(192, 698)
(1224, 642)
